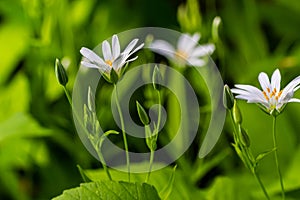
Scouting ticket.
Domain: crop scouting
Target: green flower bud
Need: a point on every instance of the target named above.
(142, 114)
(244, 137)
(91, 100)
(237, 115)
(228, 99)
(60, 73)
(156, 78)
(215, 29)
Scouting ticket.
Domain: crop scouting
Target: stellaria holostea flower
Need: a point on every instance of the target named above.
(113, 58)
(270, 97)
(188, 51)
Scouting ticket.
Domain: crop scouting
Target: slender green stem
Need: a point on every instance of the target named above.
(159, 112)
(68, 96)
(148, 134)
(150, 165)
(276, 158)
(87, 133)
(103, 163)
(247, 156)
(234, 127)
(261, 184)
(123, 132)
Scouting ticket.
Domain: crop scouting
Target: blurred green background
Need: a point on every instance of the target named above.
(39, 147)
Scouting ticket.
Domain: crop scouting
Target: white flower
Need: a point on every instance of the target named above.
(188, 50)
(271, 97)
(112, 56)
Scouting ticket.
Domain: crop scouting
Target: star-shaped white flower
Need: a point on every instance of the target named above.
(112, 56)
(270, 97)
(188, 51)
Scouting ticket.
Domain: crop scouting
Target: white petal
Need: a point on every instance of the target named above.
(196, 37)
(239, 91)
(125, 56)
(203, 50)
(89, 65)
(130, 46)
(119, 62)
(132, 59)
(264, 81)
(253, 91)
(186, 43)
(90, 55)
(275, 80)
(115, 46)
(106, 51)
(296, 88)
(247, 98)
(163, 48)
(136, 49)
(290, 88)
(197, 62)
(294, 100)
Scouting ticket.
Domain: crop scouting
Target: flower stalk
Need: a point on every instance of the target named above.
(276, 158)
(123, 132)
(241, 139)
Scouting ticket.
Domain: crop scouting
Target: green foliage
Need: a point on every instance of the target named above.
(167, 182)
(39, 147)
(111, 190)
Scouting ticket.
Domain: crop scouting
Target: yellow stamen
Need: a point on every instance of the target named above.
(273, 93)
(109, 62)
(278, 95)
(268, 89)
(265, 95)
(181, 54)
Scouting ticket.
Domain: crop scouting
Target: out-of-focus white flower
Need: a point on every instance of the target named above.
(270, 97)
(188, 51)
(113, 58)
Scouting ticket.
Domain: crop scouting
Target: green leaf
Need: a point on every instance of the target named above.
(188, 16)
(181, 189)
(263, 154)
(85, 178)
(107, 133)
(15, 97)
(14, 39)
(111, 190)
(21, 125)
(165, 193)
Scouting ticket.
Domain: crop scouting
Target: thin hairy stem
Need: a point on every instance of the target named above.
(276, 158)
(123, 132)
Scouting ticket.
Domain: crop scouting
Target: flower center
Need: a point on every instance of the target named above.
(272, 96)
(181, 54)
(109, 62)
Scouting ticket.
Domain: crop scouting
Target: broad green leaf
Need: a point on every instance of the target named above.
(14, 97)
(165, 193)
(21, 125)
(111, 190)
(20, 154)
(182, 188)
(14, 40)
